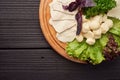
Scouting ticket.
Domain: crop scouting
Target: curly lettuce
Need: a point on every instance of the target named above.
(115, 30)
(85, 52)
(102, 7)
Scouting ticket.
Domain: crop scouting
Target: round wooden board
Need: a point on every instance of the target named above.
(49, 32)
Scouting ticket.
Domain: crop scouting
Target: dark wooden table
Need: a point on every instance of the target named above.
(26, 55)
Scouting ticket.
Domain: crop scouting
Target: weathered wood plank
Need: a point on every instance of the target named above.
(47, 63)
(25, 55)
(19, 25)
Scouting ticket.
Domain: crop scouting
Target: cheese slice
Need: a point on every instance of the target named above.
(68, 35)
(62, 25)
(57, 6)
(63, 21)
(59, 15)
(115, 12)
(66, 2)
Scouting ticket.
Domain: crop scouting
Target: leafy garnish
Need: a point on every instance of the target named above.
(102, 7)
(111, 50)
(116, 27)
(83, 51)
(78, 17)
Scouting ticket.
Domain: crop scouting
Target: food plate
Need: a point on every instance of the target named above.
(50, 33)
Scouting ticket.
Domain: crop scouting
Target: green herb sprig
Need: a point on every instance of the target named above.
(102, 7)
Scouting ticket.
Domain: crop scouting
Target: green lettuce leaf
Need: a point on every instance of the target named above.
(85, 52)
(117, 39)
(95, 54)
(116, 26)
(71, 47)
(103, 41)
(78, 51)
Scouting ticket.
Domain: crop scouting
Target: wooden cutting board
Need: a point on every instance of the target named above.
(49, 32)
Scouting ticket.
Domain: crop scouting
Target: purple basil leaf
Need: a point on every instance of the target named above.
(86, 3)
(78, 17)
(72, 6)
(89, 3)
(65, 7)
(82, 3)
(79, 3)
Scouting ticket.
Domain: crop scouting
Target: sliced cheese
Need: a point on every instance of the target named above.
(115, 12)
(58, 15)
(66, 2)
(57, 6)
(62, 25)
(68, 35)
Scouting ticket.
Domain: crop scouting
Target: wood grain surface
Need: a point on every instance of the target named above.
(26, 55)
